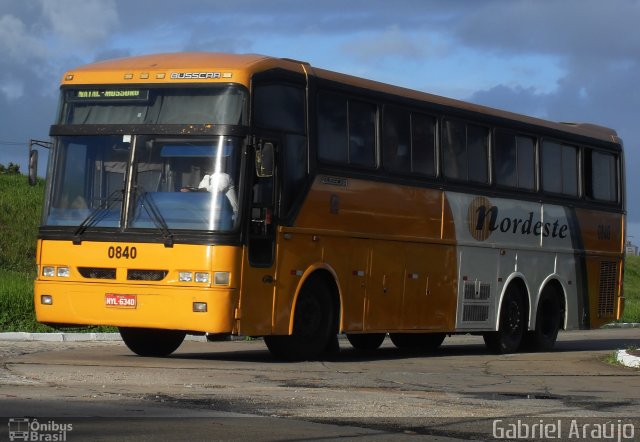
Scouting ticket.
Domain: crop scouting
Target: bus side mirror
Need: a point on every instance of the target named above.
(264, 160)
(33, 167)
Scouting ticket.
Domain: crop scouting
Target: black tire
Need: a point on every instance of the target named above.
(549, 319)
(417, 341)
(366, 341)
(150, 341)
(314, 330)
(513, 324)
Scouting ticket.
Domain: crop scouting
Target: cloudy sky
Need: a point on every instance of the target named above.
(563, 60)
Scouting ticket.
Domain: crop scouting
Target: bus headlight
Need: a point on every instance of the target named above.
(202, 277)
(60, 272)
(185, 276)
(221, 278)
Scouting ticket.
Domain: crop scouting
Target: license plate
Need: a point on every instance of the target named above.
(120, 301)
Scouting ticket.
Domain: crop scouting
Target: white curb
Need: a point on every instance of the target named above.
(628, 360)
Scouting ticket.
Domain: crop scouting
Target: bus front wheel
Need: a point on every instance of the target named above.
(314, 326)
(512, 324)
(150, 341)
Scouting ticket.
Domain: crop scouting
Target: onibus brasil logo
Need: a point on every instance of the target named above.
(32, 430)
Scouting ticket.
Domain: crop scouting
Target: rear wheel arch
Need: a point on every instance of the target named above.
(550, 317)
(518, 283)
(512, 318)
(555, 287)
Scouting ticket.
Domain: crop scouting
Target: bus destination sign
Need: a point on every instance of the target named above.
(108, 94)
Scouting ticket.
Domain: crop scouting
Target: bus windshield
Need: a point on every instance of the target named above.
(187, 184)
(182, 183)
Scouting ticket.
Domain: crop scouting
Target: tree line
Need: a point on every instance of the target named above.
(12, 168)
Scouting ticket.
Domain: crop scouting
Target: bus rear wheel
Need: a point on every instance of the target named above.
(150, 341)
(548, 322)
(417, 341)
(512, 326)
(314, 331)
(366, 341)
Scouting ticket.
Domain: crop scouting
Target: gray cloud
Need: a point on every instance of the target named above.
(595, 43)
(17, 43)
(83, 22)
(582, 28)
(390, 43)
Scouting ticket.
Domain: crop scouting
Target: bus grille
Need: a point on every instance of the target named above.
(608, 282)
(477, 291)
(475, 313)
(146, 275)
(97, 272)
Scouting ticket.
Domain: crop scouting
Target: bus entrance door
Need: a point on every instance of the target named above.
(259, 268)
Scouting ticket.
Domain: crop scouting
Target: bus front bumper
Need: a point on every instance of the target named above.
(191, 309)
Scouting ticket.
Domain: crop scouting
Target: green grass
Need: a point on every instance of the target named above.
(16, 303)
(632, 289)
(20, 212)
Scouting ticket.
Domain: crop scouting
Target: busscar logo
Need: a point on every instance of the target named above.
(195, 75)
(484, 218)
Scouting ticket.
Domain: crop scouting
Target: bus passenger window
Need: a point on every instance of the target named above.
(454, 149)
(559, 168)
(346, 131)
(396, 142)
(465, 151)
(332, 128)
(551, 167)
(506, 158)
(570, 170)
(601, 176)
(477, 149)
(526, 163)
(515, 160)
(423, 145)
(362, 134)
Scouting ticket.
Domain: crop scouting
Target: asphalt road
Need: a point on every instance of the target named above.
(235, 391)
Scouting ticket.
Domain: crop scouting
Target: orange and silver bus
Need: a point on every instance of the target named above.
(225, 194)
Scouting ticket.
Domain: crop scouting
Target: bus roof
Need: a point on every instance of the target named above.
(174, 68)
(582, 129)
(203, 67)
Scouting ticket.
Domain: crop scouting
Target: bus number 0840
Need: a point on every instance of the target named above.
(118, 252)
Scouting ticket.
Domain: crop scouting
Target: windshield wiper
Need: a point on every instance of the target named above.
(154, 214)
(97, 215)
